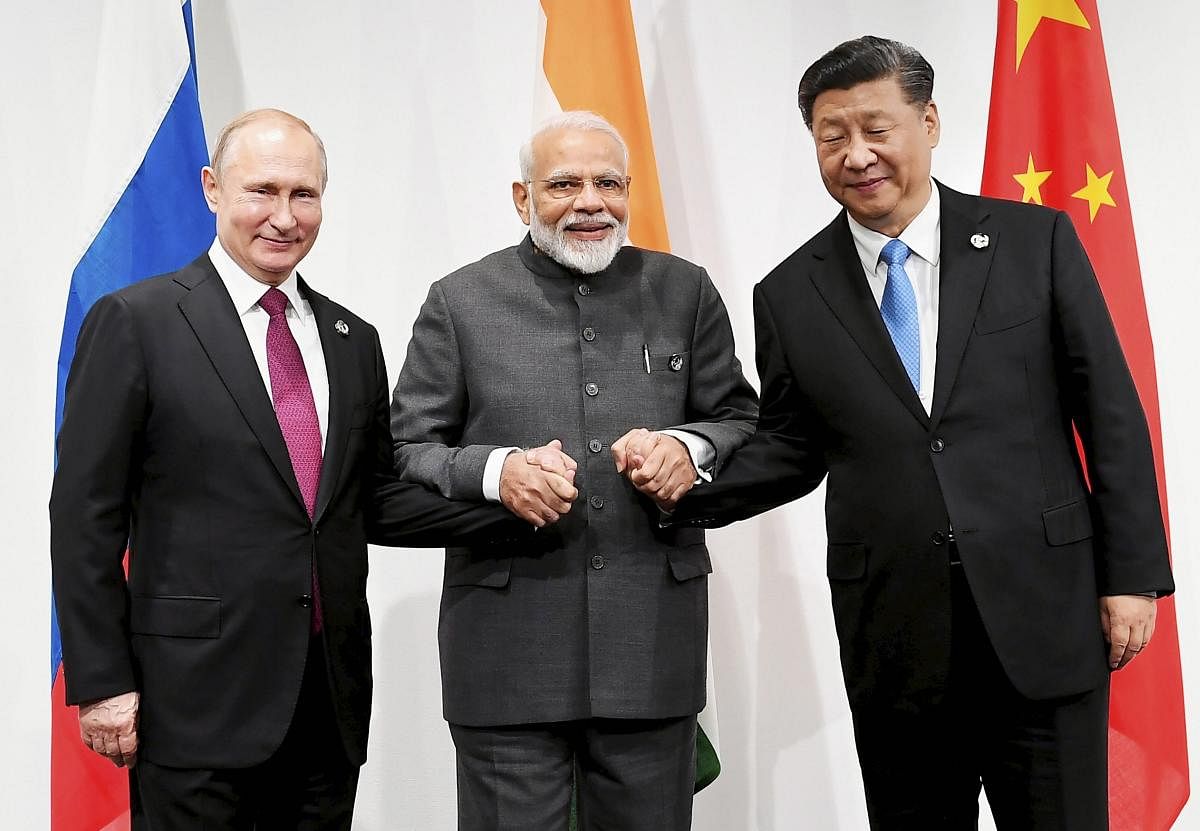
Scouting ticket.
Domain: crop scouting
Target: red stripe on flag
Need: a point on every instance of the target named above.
(87, 792)
(1052, 139)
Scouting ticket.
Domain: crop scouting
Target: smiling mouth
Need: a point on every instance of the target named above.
(278, 243)
(868, 185)
(589, 230)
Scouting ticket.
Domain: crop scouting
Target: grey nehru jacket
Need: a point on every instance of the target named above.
(604, 614)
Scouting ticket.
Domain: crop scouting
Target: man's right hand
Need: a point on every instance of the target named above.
(538, 485)
(109, 727)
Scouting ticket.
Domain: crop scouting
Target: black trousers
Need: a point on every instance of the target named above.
(631, 775)
(307, 785)
(1042, 764)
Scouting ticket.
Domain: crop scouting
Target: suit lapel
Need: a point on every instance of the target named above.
(963, 272)
(211, 314)
(339, 367)
(840, 280)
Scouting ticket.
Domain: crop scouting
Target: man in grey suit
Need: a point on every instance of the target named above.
(580, 657)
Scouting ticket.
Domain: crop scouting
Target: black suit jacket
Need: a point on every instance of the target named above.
(1025, 350)
(169, 441)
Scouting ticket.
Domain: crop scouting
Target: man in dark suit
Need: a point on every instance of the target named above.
(585, 650)
(932, 352)
(230, 424)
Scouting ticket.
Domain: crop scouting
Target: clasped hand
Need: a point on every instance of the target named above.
(538, 485)
(657, 464)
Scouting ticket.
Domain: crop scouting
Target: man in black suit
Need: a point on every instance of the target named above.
(932, 353)
(230, 425)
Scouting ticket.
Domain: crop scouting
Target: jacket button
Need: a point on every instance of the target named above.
(597, 562)
(938, 538)
(596, 502)
(305, 600)
(937, 445)
(595, 445)
(584, 291)
(591, 388)
(589, 334)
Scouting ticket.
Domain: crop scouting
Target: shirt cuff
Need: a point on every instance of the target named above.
(492, 470)
(700, 449)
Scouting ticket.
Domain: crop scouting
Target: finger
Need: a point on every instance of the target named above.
(618, 452)
(568, 462)
(647, 470)
(127, 744)
(551, 462)
(1118, 642)
(558, 486)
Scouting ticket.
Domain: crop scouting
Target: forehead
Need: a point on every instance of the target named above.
(879, 97)
(577, 151)
(272, 148)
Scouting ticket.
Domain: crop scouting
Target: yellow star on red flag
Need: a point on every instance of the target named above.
(1030, 14)
(1032, 180)
(1095, 192)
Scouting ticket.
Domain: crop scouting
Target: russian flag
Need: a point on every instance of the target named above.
(145, 215)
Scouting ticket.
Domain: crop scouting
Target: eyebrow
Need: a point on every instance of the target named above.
(575, 174)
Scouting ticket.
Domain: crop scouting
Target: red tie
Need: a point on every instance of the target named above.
(296, 411)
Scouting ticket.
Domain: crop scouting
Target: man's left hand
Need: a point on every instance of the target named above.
(658, 465)
(1127, 621)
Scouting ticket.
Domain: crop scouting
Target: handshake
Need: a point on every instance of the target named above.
(539, 484)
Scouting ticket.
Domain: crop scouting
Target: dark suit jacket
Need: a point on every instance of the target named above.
(1025, 350)
(169, 441)
(603, 614)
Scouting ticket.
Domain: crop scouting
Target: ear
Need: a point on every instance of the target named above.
(933, 124)
(521, 197)
(208, 181)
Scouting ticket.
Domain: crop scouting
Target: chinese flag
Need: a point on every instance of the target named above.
(1052, 140)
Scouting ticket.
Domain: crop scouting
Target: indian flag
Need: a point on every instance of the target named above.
(576, 38)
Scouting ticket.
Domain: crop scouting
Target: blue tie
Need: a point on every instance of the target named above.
(899, 310)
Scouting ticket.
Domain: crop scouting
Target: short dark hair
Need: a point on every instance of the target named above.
(862, 60)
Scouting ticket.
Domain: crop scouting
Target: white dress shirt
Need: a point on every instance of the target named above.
(246, 292)
(923, 236)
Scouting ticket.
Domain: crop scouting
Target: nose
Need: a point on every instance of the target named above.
(589, 200)
(281, 214)
(859, 154)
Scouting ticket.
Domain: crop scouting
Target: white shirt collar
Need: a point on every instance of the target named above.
(247, 291)
(922, 236)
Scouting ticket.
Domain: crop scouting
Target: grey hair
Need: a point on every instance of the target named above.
(570, 120)
(225, 137)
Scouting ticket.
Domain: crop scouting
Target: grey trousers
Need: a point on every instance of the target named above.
(630, 775)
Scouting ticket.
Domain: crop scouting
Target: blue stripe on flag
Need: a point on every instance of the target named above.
(160, 223)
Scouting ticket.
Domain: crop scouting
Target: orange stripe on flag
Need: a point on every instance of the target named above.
(591, 62)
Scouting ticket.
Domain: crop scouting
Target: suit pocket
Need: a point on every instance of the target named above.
(1068, 523)
(175, 617)
(998, 321)
(468, 570)
(846, 561)
(689, 562)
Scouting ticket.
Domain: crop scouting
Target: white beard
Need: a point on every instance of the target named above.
(584, 256)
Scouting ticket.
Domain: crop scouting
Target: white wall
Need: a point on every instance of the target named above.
(422, 107)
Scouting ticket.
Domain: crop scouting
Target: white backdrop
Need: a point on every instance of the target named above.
(422, 107)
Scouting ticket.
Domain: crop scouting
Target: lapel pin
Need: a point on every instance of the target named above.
(341, 328)
(980, 240)
(676, 363)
